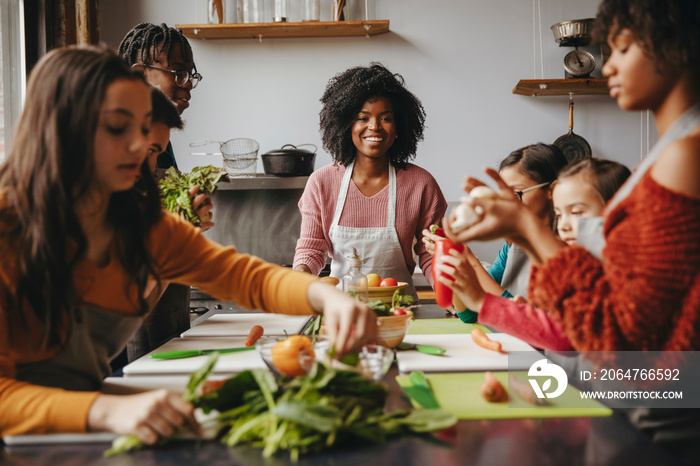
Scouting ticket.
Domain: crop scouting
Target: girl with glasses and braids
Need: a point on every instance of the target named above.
(528, 171)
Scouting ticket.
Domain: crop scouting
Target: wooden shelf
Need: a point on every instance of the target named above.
(542, 87)
(279, 30)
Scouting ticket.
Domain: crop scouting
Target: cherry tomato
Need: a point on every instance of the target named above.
(285, 354)
(443, 294)
(389, 282)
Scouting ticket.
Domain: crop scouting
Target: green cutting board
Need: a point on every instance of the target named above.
(458, 394)
(441, 327)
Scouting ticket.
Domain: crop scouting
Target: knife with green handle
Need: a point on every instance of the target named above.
(426, 349)
(191, 353)
(420, 391)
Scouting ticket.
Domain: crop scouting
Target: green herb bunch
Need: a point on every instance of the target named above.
(398, 300)
(310, 413)
(174, 189)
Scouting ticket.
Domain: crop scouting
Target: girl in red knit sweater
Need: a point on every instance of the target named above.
(645, 292)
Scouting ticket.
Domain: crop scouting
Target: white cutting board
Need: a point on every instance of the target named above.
(132, 385)
(228, 325)
(226, 364)
(461, 354)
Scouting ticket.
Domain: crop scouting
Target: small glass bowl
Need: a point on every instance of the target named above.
(306, 360)
(375, 361)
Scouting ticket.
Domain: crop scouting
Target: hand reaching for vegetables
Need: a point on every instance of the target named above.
(150, 416)
(203, 206)
(350, 324)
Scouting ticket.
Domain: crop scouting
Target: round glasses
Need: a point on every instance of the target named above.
(522, 191)
(181, 76)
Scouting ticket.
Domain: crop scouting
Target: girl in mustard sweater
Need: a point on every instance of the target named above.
(80, 250)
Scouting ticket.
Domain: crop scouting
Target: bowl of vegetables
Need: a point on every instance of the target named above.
(385, 293)
(393, 319)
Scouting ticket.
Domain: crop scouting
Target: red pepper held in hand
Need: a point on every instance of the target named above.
(443, 294)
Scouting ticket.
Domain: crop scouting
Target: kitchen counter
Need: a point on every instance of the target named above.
(262, 181)
(570, 441)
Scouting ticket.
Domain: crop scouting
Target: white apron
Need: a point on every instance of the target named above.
(379, 247)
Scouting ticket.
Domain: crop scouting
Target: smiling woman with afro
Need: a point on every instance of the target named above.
(345, 95)
(371, 201)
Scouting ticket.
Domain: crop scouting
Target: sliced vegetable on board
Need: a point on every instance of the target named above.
(492, 390)
(480, 338)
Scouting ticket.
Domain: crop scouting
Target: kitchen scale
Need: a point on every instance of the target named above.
(575, 33)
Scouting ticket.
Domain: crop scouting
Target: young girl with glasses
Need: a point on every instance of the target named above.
(528, 172)
(581, 190)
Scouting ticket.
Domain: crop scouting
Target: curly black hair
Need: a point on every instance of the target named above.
(146, 41)
(343, 99)
(667, 29)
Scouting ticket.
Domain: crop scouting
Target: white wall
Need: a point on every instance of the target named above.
(462, 58)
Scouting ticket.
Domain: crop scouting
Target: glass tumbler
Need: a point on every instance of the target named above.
(281, 11)
(250, 11)
(311, 10)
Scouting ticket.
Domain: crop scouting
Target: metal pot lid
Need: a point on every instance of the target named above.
(295, 151)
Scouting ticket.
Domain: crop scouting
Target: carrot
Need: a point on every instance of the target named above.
(482, 340)
(255, 333)
(525, 391)
(492, 390)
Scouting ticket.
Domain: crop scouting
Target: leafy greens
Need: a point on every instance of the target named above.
(306, 414)
(174, 189)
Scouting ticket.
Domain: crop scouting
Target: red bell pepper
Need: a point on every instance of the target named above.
(443, 294)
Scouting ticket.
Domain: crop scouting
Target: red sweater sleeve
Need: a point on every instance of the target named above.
(524, 321)
(644, 294)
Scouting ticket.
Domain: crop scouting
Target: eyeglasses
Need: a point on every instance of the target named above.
(181, 76)
(522, 191)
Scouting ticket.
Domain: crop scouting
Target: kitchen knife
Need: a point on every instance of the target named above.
(191, 353)
(426, 349)
(420, 391)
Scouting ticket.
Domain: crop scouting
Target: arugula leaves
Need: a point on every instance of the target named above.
(174, 189)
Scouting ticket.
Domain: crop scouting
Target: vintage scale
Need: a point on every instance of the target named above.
(575, 33)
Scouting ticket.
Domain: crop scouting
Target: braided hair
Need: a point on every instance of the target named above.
(343, 99)
(146, 41)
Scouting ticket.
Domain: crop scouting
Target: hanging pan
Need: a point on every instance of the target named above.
(572, 145)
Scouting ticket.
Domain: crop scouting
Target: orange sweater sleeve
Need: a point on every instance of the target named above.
(183, 255)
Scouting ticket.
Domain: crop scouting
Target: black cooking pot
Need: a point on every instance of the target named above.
(289, 162)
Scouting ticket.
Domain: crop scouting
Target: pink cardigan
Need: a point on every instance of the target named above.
(419, 203)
